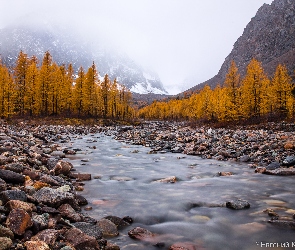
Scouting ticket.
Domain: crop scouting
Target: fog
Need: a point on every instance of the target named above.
(178, 39)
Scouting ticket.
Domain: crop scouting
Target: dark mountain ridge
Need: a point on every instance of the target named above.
(269, 37)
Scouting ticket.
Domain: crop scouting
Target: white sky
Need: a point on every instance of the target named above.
(176, 38)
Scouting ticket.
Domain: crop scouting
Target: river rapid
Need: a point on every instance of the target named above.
(124, 183)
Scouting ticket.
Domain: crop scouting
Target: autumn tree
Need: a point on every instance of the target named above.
(254, 91)
(90, 91)
(45, 84)
(20, 81)
(281, 87)
(78, 91)
(31, 89)
(232, 93)
(6, 92)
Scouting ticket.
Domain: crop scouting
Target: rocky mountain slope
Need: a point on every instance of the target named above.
(269, 37)
(66, 48)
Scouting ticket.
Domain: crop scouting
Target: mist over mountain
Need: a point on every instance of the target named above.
(65, 48)
(269, 37)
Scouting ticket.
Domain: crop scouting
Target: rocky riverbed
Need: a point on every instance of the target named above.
(269, 149)
(40, 205)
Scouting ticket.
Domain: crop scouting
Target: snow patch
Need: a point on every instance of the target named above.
(145, 88)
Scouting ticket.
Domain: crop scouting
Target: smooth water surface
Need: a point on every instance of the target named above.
(124, 184)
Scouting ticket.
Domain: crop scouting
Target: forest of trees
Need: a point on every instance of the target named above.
(33, 89)
(48, 89)
(253, 97)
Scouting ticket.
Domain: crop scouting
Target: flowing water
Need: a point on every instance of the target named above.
(188, 210)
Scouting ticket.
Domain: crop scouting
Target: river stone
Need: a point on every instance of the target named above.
(140, 233)
(81, 176)
(36, 245)
(281, 171)
(273, 165)
(3, 185)
(289, 161)
(32, 174)
(119, 222)
(81, 200)
(6, 232)
(11, 177)
(111, 246)
(51, 162)
(182, 246)
(89, 229)
(18, 221)
(67, 211)
(29, 207)
(5, 243)
(54, 198)
(40, 221)
(52, 180)
(238, 204)
(15, 167)
(283, 223)
(245, 158)
(8, 195)
(80, 240)
(59, 154)
(108, 228)
(62, 167)
(49, 236)
(171, 179)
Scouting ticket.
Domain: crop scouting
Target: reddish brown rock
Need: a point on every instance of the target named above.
(36, 245)
(183, 246)
(49, 236)
(80, 240)
(13, 204)
(108, 228)
(140, 234)
(81, 177)
(67, 211)
(62, 167)
(18, 221)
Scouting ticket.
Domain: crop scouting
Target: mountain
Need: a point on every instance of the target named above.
(66, 48)
(269, 37)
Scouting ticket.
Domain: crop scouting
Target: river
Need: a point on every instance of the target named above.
(124, 184)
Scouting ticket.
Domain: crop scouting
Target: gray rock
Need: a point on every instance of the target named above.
(13, 195)
(54, 198)
(89, 229)
(237, 204)
(273, 165)
(245, 158)
(289, 161)
(12, 177)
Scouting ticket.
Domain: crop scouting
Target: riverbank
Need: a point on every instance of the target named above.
(264, 147)
(40, 205)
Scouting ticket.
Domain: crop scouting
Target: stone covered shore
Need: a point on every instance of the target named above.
(40, 205)
(268, 148)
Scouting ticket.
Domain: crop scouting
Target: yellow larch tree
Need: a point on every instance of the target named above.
(254, 90)
(281, 87)
(6, 92)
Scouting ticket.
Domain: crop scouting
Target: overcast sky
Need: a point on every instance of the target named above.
(176, 38)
